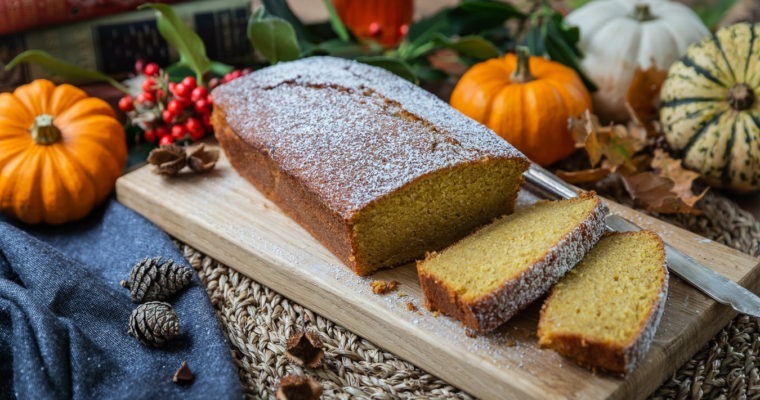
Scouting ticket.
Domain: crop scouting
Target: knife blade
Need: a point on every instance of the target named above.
(706, 280)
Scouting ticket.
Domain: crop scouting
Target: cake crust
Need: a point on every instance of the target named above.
(490, 311)
(326, 139)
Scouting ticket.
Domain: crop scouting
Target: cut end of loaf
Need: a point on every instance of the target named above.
(433, 212)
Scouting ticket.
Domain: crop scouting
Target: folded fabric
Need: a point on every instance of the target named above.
(64, 316)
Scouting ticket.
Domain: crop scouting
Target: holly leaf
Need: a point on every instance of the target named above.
(63, 68)
(192, 51)
(643, 94)
(273, 37)
(279, 8)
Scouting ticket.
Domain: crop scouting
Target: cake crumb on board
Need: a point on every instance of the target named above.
(383, 287)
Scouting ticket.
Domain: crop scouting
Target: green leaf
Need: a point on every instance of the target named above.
(712, 12)
(220, 69)
(178, 71)
(274, 37)
(472, 46)
(280, 8)
(559, 51)
(63, 68)
(336, 23)
(189, 45)
(427, 73)
(394, 65)
(339, 48)
(560, 31)
(575, 4)
(423, 30)
(492, 8)
(534, 40)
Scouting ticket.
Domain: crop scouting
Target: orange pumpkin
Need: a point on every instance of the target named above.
(385, 21)
(526, 100)
(60, 152)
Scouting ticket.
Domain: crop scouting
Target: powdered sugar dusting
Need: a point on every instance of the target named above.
(351, 132)
(638, 349)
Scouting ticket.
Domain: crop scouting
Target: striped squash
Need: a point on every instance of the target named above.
(710, 110)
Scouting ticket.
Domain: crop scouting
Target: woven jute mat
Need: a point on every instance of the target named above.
(257, 321)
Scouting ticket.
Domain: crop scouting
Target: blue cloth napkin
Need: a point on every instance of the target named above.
(63, 316)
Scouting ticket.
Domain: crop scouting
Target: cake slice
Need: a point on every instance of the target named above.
(605, 311)
(487, 277)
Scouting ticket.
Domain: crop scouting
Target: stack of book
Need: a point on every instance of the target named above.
(80, 32)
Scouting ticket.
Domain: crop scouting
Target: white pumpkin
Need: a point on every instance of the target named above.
(617, 36)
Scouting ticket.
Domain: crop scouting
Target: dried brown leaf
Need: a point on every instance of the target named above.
(655, 193)
(298, 387)
(671, 168)
(643, 94)
(448, 61)
(613, 146)
(584, 175)
(305, 349)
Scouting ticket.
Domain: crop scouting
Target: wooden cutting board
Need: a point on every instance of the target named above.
(223, 216)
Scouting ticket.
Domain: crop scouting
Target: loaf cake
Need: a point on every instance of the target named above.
(487, 277)
(374, 167)
(605, 311)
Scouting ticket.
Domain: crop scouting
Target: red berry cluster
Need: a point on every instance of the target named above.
(170, 111)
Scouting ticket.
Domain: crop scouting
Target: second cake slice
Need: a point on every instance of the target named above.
(486, 278)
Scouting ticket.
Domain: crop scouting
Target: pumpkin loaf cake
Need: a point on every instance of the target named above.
(377, 169)
(486, 278)
(604, 312)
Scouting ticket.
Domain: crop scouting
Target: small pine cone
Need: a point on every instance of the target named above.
(153, 323)
(152, 279)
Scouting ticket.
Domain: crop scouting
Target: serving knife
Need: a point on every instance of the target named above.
(709, 282)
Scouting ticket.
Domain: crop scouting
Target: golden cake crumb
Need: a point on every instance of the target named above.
(383, 287)
(411, 307)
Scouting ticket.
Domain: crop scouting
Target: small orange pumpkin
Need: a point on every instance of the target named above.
(60, 152)
(526, 100)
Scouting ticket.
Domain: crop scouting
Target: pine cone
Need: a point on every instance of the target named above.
(153, 323)
(152, 279)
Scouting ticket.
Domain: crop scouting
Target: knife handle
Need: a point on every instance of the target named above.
(548, 184)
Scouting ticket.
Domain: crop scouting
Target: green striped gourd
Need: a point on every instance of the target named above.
(711, 111)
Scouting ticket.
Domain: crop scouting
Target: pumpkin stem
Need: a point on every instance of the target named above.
(642, 13)
(741, 97)
(522, 70)
(43, 131)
